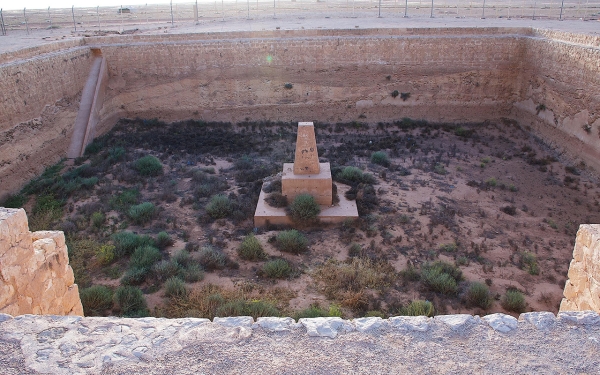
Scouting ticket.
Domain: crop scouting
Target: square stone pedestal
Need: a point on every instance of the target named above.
(344, 210)
(317, 185)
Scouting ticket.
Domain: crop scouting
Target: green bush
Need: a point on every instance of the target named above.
(513, 300)
(212, 259)
(381, 158)
(126, 242)
(175, 288)
(96, 300)
(277, 269)
(276, 200)
(142, 213)
(315, 311)
(14, 201)
(251, 249)
(418, 308)
(192, 273)
(529, 262)
(105, 254)
(182, 258)
(98, 219)
(291, 241)
(219, 207)
(163, 240)
(125, 199)
(130, 301)
(144, 257)
(240, 307)
(134, 276)
(166, 269)
(441, 277)
(478, 295)
(304, 209)
(354, 176)
(148, 166)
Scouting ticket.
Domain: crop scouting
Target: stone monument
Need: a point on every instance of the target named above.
(307, 176)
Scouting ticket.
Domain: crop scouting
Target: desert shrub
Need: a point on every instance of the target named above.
(14, 201)
(182, 258)
(509, 210)
(354, 176)
(381, 158)
(163, 240)
(410, 273)
(219, 207)
(395, 93)
(291, 241)
(212, 259)
(142, 213)
(165, 269)
(441, 277)
(47, 209)
(254, 309)
(251, 249)
(273, 186)
(355, 250)
(144, 257)
(315, 311)
(175, 288)
(276, 200)
(529, 262)
(418, 308)
(478, 294)
(105, 254)
(130, 301)
(134, 276)
(125, 199)
(126, 242)
(192, 273)
(148, 166)
(98, 219)
(439, 169)
(96, 300)
(304, 209)
(513, 300)
(277, 269)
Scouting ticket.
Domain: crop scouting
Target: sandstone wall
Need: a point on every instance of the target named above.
(35, 276)
(582, 290)
(39, 100)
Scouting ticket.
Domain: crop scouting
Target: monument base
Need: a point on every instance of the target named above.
(345, 209)
(318, 185)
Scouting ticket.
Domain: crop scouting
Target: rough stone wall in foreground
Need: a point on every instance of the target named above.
(536, 343)
(35, 276)
(582, 289)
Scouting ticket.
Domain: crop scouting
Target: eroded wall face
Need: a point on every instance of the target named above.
(35, 276)
(467, 77)
(582, 289)
(39, 100)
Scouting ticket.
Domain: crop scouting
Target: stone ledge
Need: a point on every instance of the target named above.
(70, 344)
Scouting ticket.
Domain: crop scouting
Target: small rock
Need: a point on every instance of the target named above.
(235, 321)
(139, 351)
(5, 317)
(410, 323)
(580, 317)
(325, 327)
(275, 324)
(369, 324)
(501, 322)
(541, 320)
(457, 321)
(51, 334)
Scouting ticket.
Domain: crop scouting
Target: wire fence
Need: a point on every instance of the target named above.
(88, 18)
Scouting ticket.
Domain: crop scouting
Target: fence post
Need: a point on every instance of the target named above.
(483, 11)
(248, 9)
(562, 5)
(431, 16)
(26, 23)
(3, 28)
(379, 16)
(98, 15)
(50, 19)
(534, 6)
(274, 9)
(172, 23)
(406, 9)
(196, 12)
(73, 14)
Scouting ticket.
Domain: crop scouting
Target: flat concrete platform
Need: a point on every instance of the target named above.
(345, 209)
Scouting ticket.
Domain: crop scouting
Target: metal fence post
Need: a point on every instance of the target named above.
(50, 19)
(196, 12)
(406, 9)
(98, 15)
(248, 9)
(379, 16)
(534, 6)
(172, 22)
(73, 14)
(274, 9)
(2, 27)
(483, 11)
(26, 23)
(431, 16)
(562, 6)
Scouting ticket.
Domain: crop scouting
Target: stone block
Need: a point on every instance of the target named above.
(306, 161)
(318, 185)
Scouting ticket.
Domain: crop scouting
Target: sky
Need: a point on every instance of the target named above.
(44, 4)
